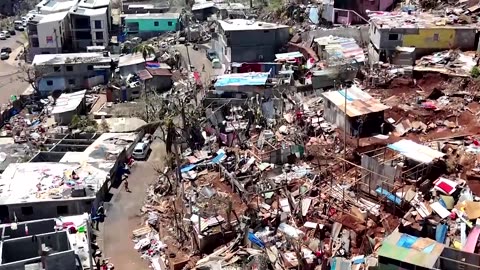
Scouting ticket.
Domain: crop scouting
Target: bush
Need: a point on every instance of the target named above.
(475, 72)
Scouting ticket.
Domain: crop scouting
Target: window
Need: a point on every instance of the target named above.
(71, 81)
(56, 68)
(155, 23)
(69, 68)
(35, 43)
(90, 67)
(170, 23)
(392, 36)
(266, 31)
(49, 82)
(99, 43)
(62, 210)
(27, 211)
(436, 37)
(99, 35)
(98, 24)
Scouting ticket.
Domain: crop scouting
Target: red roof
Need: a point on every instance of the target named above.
(144, 75)
(159, 72)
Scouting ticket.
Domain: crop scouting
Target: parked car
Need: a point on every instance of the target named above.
(6, 33)
(216, 63)
(2, 36)
(141, 150)
(211, 54)
(6, 49)
(12, 32)
(4, 56)
(20, 27)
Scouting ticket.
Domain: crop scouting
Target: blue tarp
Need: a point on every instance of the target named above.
(188, 168)
(389, 196)
(313, 15)
(242, 79)
(219, 157)
(441, 233)
(406, 241)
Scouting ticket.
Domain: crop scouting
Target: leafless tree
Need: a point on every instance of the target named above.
(32, 75)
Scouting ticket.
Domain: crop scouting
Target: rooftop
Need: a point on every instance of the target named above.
(386, 20)
(243, 25)
(68, 102)
(49, 6)
(105, 149)
(48, 181)
(242, 79)
(89, 11)
(338, 48)
(153, 16)
(415, 151)
(132, 59)
(70, 58)
(93, 3)
(358, 101)
(50, 17)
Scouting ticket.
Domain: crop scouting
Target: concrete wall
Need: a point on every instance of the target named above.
(49, 209)
(58, 261)
(359, 33)
(255, 46)
(24, 248)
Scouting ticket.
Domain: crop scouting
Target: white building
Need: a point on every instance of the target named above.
(54, 6)
(48, 34)
(90, 22)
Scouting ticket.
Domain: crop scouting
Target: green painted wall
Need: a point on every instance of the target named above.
(149, 25)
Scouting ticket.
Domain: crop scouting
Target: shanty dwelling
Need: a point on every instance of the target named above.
(405, 251)
(354, 111)
(404, 159)
(68, 105)
(52, 244)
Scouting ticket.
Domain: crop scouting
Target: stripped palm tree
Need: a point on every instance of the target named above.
(146, 50)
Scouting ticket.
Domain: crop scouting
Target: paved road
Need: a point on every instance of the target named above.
(123, 213)
(10, 84)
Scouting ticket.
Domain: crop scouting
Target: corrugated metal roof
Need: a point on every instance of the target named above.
(159, 72)
(358, 101)
(423, 252)
(68, 102)
(415, 151)
(144, 75)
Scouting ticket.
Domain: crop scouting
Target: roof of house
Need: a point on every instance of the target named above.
(398, 19)
(244, 25)
(242, 79)
(52, 17)
(68, 102)
(152, 16)
(358, 101)
(132, 59)
(340, 48)
(89, 11)
(144, 74)
(415, 151)
(93, 3)
(159, 71)
(423, 252)
(70, 58)
(202, 4)
(55, 5)
(288, 55)
(48, 181)
(105, 149)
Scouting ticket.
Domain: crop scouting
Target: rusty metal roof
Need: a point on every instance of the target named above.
(358, 101)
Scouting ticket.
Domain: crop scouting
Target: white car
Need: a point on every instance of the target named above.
(2, 36)
(4, 55)
(141, 150)
(6, 33)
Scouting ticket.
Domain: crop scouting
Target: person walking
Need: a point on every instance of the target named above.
(125, 183)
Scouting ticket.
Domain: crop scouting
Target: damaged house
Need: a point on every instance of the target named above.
(424, 33)
(355, 111)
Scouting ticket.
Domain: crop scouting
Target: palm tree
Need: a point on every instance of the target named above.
(145, 49)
